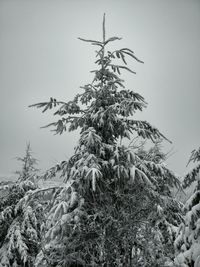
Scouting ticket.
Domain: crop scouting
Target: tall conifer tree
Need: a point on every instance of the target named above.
(107, 208)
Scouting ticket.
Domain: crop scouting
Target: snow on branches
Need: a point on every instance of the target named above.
(187, 242)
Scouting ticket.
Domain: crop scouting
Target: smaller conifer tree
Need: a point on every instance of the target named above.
(28, 170)
(20, 219)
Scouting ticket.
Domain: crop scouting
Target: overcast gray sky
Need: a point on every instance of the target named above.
(41, 57)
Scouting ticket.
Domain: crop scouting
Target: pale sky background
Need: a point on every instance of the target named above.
(41, 57)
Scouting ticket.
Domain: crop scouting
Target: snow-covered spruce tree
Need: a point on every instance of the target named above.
(112, 194)
(20, 219)
(29, 170)
(187, 242)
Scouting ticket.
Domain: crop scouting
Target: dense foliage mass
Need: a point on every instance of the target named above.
(187, 243)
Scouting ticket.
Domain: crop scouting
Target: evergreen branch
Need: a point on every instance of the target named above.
(133, 56)
(91, 41)
(191, 176)
(44, 189)
(195, 156)
(145, 130)
(88, 86)
(112, 39)
(61, 124)
(121, 52)
(126, 68)
(51, 173)
(47, 105)
(128, 49)
(130, 94)
(98, 45)
(98, 53)
(121, 67)
(173, 180)
(28, 197)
